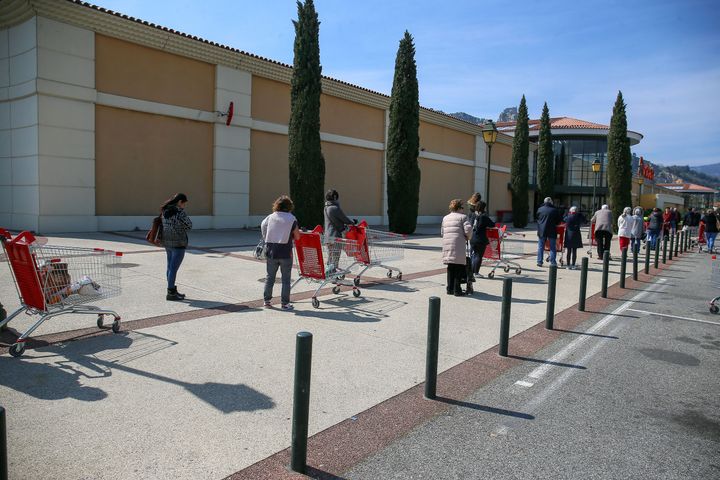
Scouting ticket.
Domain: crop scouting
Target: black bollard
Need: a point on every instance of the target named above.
(635, 264)
(550, 311)
(684, 241)
(301, 402)
(433, 341)
(657, 254)
(677, 243)
(623, 267)
(505, 317)
(647, 258)
(665, 241)
(606, 267)
(583, 284)
(3, 446)
(672, 247)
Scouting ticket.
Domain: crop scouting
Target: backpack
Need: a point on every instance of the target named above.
(155, 234)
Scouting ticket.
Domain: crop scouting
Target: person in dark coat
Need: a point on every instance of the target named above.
(711, 229)
(655, 225)
(479, 240)
(573, 239)
(548, 218)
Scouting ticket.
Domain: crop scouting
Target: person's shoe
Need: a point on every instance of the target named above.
(479, 275)
(172, 295)
(469, 291)
(267, 304)
(287, 307)
(540, 265)
(459, 294)
(180, 295)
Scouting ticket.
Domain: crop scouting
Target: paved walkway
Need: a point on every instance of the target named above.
(203, 388)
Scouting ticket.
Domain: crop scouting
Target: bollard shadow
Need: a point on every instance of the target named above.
(548, 362)
(485, 408)
(528, 280)
(613, 314)
(317, 474)
(478, 295)
(217, 306)
(345, 316)
(634, 301)
(586, 333)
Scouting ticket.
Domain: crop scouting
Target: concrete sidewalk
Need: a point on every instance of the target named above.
(203, 388)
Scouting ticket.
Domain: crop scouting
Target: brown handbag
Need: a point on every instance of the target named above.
(154, 236)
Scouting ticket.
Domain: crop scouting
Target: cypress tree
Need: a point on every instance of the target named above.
(519, 168)
(307, 165)
(619, 160)
(545, 167)
(403, 172)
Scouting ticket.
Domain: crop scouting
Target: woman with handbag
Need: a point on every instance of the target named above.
(176, 224)
(455, 232)
(279, 229)
(573, 238)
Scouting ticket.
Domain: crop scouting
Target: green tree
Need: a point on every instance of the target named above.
(519, 168)
(307, 165)
(619, 160)
(545, 166)
(403, 172)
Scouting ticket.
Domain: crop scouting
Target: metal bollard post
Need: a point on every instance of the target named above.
(684, 243)
(665, 241)
(688, 241)
(606, 267)
(623, 267)
(301, 402)
(672, 247)
(657, 253)
(550, 311)
(635, 264)
(583, 284)
(677, 243)
(3, 446)
(505, 317)
(647, 258)
(433, 341)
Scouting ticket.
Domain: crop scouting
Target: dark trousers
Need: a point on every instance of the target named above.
(455, 273)
(603, 240)
(174, 259)
(477, 256)
(571, 256)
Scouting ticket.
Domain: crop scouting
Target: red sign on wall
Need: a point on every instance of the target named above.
(645, 170)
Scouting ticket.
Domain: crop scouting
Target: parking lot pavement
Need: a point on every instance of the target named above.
(202, 388)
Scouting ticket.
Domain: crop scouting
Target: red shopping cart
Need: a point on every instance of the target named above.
(376, 248)
(701, 236)
(502, 250)
(321, 260)
(559, 244)
(55, 280)
(593, 242)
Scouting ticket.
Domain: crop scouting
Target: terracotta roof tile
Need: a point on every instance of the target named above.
(555, 122)
(687, 187)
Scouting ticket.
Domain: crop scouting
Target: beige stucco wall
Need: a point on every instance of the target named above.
(440, 183)
(142, 159)
(270, 100)
(269, 170)
(135, 71)
(350, 119)
(500, 196)
(445, 141)
(501, 155)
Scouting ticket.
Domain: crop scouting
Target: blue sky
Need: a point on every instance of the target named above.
(482, 56)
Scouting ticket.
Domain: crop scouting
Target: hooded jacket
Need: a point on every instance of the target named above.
(335, 220)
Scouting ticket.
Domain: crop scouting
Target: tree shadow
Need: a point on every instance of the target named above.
(548, 362)
(485, 408)
(318, 474)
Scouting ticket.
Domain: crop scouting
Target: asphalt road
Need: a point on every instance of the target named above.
(636, 395)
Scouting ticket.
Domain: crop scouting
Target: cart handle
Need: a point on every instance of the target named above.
(5, 234)
(24, 237)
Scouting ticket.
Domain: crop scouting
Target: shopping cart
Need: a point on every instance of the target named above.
(715, 282)
(376, 248)
(55, 280)
(593, 242)
(502, 250)
(701, 236)
(559, 244)
(325, 261)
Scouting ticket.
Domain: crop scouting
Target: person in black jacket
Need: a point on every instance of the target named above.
(176, 224)
(573, 238)
(548, 218)
(336, 222)
(711, 229)
(655, 224)
(479, 240)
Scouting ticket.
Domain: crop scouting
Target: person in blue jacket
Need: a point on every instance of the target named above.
(548, 217)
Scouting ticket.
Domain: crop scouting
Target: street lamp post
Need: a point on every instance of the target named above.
(489, 133)
(596, 169)
(640, 182)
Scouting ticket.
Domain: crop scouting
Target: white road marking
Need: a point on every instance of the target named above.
(673, 316)
(523, 383)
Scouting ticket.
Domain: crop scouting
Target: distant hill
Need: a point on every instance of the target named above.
(508, 115)
(466, 117)
(712, 169)
(685, 174)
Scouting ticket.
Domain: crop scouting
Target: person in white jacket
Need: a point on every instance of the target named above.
(626, 223)
(636, 234)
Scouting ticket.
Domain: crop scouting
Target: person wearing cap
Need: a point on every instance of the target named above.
(548, 218)
(603, 229)
(573, 239)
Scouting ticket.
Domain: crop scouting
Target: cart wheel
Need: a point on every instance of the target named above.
(491, 275)
(356, 292)
(17, 349)
(389, 274)
(518, 271)
(336, 289)
(341, 277)
(116, 325)
(507, 268)
(399, 276)
(714, 309)
(356, 281)
(315, 302)
(100, 321)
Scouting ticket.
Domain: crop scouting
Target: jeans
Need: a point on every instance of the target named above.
(541, 249)
(477, 256)
(285, 265)
(652, 238)
(635, 245)
(710, 239)
(174, 259)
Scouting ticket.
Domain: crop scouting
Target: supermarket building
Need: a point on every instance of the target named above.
(102, 117)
